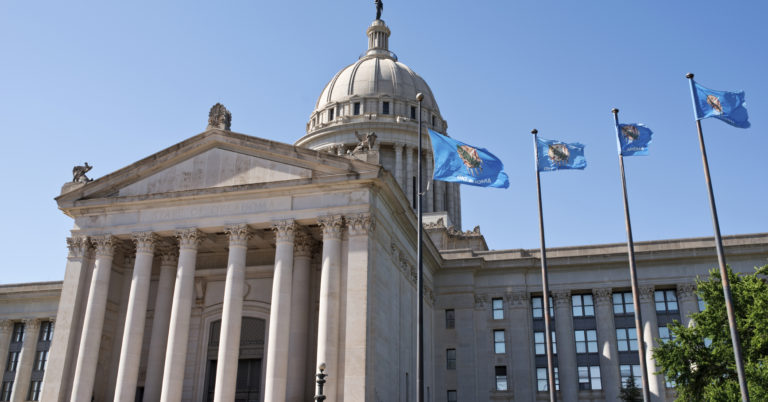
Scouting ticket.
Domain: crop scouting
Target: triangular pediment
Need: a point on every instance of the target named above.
(216, 161)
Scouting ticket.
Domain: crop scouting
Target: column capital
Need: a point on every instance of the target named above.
(52, 320)
(398, 146)
(78, 246)
(517, 298)
(6, 326)
(284, 230)
(105, 245)
(332, 226)
(602, 296)
(169, 254)
(360, 224)
(646, 292)
(238, 234)
(562, 297)
(145, 242)
(481, 301)
(32, 324)
(189, 238)
(686, 291)
(303, 244)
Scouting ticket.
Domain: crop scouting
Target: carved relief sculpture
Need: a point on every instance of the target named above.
(219, 117)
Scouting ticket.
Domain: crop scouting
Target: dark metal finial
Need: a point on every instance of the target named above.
(534, 131)
(689, 75)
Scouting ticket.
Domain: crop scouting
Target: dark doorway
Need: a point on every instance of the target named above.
(249, 366)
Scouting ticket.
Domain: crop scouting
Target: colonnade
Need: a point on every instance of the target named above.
(289, 311)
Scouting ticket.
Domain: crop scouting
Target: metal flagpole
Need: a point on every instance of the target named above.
(721, 256)
(633, 272)
(420, 288)
(544, 281)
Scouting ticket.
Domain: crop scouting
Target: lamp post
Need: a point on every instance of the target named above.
(320, 382)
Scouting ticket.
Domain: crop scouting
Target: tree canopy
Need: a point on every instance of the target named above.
(699, 359)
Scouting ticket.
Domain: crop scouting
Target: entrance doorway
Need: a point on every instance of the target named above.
(249, 365)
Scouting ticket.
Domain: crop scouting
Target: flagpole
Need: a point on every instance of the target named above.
(633, 272)
(721, 255)
(419, 286)
(544, 281)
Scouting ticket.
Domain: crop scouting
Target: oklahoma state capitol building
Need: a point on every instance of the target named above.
(227, 267)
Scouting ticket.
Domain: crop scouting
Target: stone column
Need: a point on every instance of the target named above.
(521, 352)
(399, 165)
(440, 195)
(232, 314)
(169, 259)
(606, 340)
(178, 330)
(279, 313)
(687, 302)
(566, 346)
(26, 360)
(298, 374)
(450, 202)
(356, 365)
(650, 333)
(93, 323)
(6, 328)
(430, 184)
(457, 190)
(63, 345)
(409, 173)
(135, 317)
(328, 315)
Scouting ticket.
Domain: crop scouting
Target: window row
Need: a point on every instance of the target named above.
(35, 387)
(385, 109)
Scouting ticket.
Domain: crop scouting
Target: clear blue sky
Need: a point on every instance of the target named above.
(113, 82)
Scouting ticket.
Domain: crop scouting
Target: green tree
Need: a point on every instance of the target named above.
(699, 359)
(629, 392)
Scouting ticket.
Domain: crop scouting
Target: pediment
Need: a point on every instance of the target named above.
(216, 161)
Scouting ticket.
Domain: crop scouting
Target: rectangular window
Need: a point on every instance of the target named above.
(413, 112)
(586, 340)
(702, 303)
(589, 377)
(18, 332)
(450, 318)
(631, 370)
(13, 360)
(34, 391)
(5, 393)
(501, 378)
(666, 300)
(330, 114)
(626, 339)
(622, 303)
(385, 108)
(40, 359)
(583, 306)
(538, 307)
(499, 345)
(664, 334)
(450, 359)
(498, 309)
(46, 331)
(433, 120)
(540, 343)
(542, 381)
(356, 108)
(451, 395)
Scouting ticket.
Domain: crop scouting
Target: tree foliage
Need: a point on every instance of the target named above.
(630, 392)
(699, 359)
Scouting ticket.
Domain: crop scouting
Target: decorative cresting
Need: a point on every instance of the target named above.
(517, 298)
(284, 230)
(145, 242)
(646, 293)
(219, 117)
(303, 244)
(332, 226)
(238, 234)
(78, 246)
(104, 245)
(189, 238)
(602, 296)
(360, 224)
(562, 297)
(686, 292)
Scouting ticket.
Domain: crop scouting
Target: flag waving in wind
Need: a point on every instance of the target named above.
(458, 162)
(555, 155)
(729, 107)
(634, 139)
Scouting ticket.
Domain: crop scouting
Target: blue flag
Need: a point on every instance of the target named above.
(634, 139)
(555, 155)
(458, 162)
(729, 107)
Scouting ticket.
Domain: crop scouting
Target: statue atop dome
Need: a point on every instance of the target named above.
(219, 117)
(379, 8)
